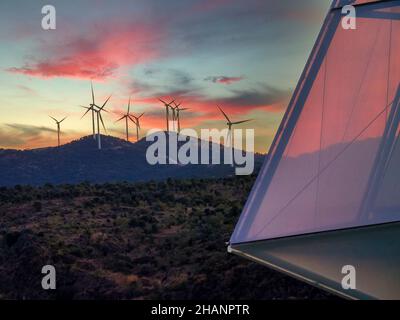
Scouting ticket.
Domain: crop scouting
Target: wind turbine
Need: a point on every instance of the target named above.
(91, 108)
(95, 109)
(127, 117)
(167, 106)
(100, 118)
(136, 121)
(230, 124)
(58, 127)
(177, 109)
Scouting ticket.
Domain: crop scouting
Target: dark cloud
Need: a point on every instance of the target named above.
(176, 76)
(23, 136)
(9, 140)
(30, 130)
(26, 89)
(257, 97)
(164, 82)
(182, 78)
(15, 135)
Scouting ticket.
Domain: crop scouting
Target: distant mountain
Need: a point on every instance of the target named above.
(80, 161)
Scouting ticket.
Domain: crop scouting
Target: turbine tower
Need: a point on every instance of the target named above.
(58, 127)
(167, 106)
(173, 109)
(100, 119)
(127, 117)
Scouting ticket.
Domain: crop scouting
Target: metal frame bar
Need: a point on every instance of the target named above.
(373, 13)
(290, 273)
(376, 3)
(383, 154)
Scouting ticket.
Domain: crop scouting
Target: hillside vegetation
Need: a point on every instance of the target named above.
(154, 240)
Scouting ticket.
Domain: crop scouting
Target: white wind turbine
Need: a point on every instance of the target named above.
(97, 111)
(229, 137)
(58, 127)
(136, 121)
(127, 117)
(177, 110)
(91, 108)
(167, 107)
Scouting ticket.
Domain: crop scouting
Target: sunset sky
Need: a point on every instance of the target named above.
(243, 55)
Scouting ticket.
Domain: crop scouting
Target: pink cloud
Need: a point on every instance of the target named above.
(224, 79)
(99, 55)
(67, 67)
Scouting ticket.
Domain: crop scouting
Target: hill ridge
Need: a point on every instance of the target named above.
(80, 160)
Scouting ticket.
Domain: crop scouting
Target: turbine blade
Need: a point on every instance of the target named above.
(102, 122)
(134, 120)
(91, 84)
(88, 109)
(104, 104)
(129, 104)
(54, 119)
(120, 118)
(137, 122)
(224, 114)
(63, 119)
(140, 116)
(162, 101)
(237, 122)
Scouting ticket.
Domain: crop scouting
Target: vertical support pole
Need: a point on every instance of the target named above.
(93, 126)
(126, 127)
(98, 131)
(381, 159)
(167, 116)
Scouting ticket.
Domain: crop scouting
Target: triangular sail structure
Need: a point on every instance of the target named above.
(329, 193)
